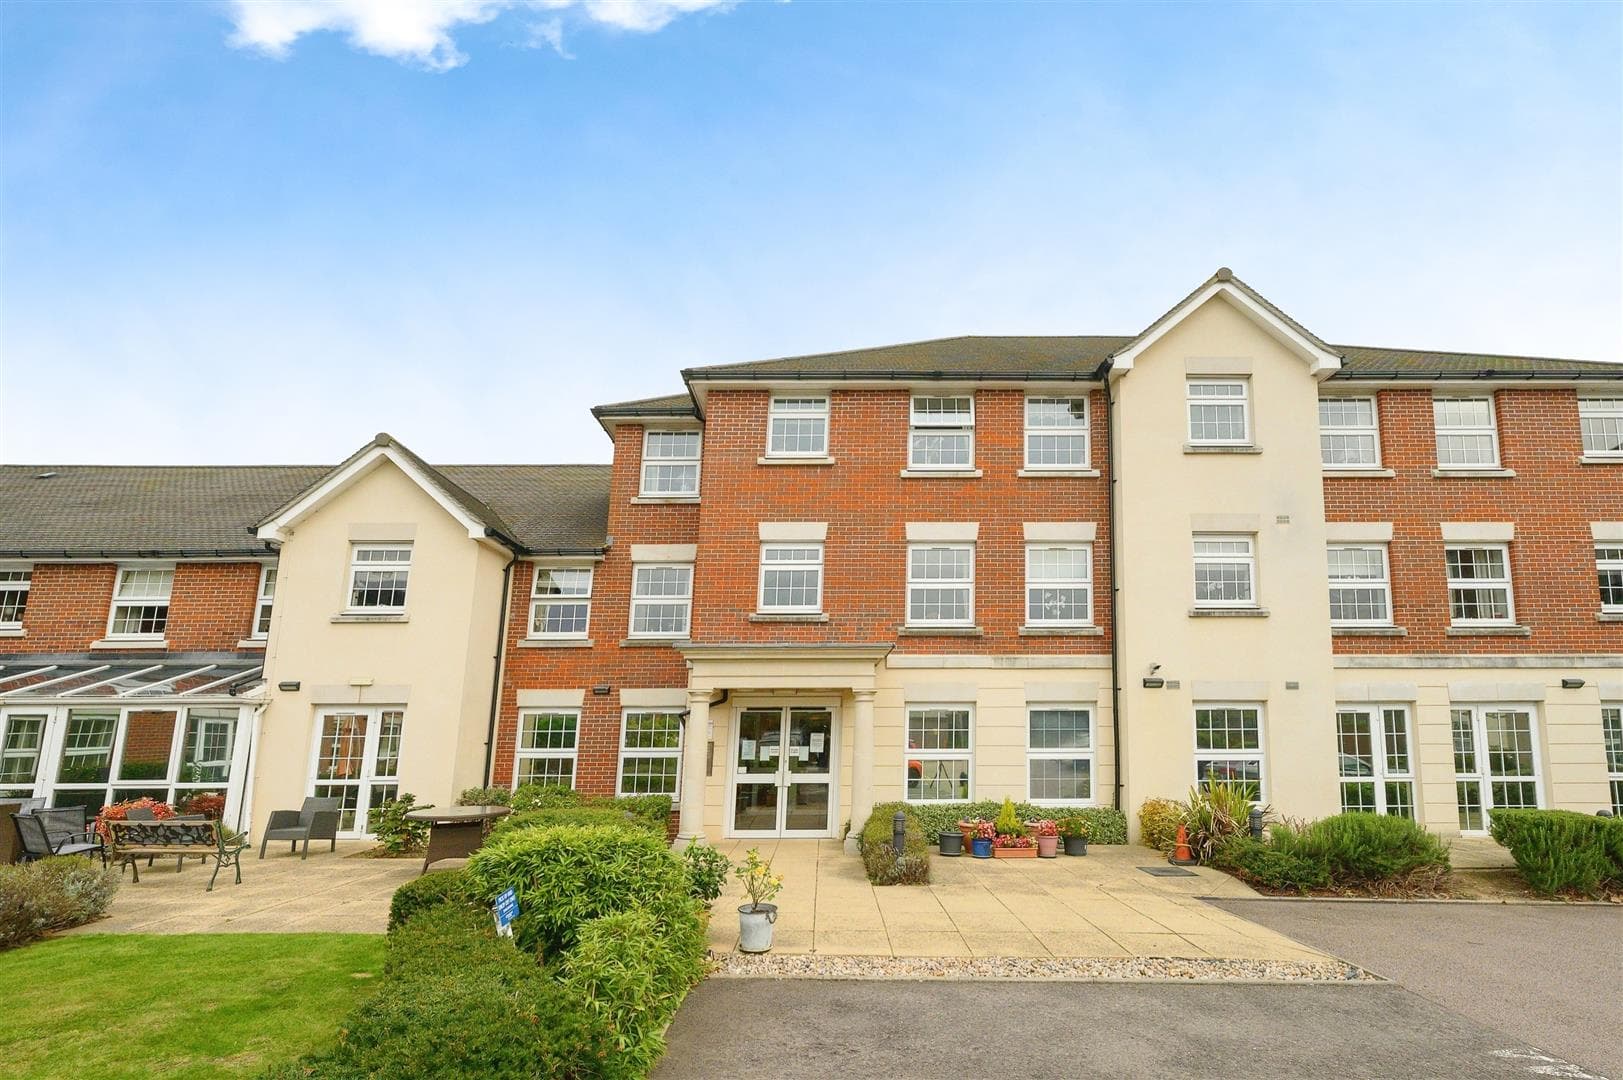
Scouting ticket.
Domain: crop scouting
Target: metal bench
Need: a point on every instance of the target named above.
(132, 841)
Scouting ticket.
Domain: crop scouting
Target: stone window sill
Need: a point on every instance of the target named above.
(1610, 616)
(1490, 631)
(1592, 459)
(130, 643)
(665, 500)
(1473, 474)
(251, 643)
(940, 631)
(651, 642)
(1368, 631)
(364, 617)
(12, 632)
(1075, 473)
(941, 474)
(1192, 448)
(794, 461)
(1382, 474)
(788, 617)
(1062, 631)
(1228, 613)
(555, 643)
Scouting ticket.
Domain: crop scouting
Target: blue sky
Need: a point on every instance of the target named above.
(227, 241)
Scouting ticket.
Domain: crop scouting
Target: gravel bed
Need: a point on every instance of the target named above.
(814, 966)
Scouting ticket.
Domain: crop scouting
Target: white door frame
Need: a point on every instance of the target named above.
(366, 779)
(784, 704)
(1483, 776)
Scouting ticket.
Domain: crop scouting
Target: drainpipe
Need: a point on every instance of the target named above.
(1115, 587)
(499, 662)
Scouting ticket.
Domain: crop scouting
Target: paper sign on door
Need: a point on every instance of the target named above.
(746, 749)
(800, 753)
(817, 742)
(768, 753)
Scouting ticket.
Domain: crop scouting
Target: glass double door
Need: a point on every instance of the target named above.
(784, 771)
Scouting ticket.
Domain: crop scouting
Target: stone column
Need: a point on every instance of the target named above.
(695, 747)
(861, 763)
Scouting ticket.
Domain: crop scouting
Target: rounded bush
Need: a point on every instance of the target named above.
(1158, 821)
(428, 891)
(1365, 849)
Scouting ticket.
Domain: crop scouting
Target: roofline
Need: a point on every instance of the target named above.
(691, 375)
(1484, 374)
(103, 554)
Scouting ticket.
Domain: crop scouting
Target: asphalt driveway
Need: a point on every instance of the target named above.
(1550, 975)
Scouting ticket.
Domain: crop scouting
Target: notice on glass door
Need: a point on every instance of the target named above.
(799, 752)
(817, 742)
(746, 749)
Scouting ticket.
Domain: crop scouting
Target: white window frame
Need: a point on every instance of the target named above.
(1085, 583)
(1482, 761)
(932, 422)
(540, 602)
(1248, 560)
(814, 565)
(780, 408)
(967, 754)
(1481, 584)
(546, 753)
(1491, 430)
(1372, 431)
(368, 777)
(1603, 410)
(1259, 755)
(264, 602)
(1611, 727)
(1609, 560)
(1383, 584)
(1244, 402)
(23, 584)
(685, 599)
(1082, 429)
(1381, 751)
(357, 565)
(644, 752)
(1087, 754)
(644, 491)
(940, 583)
(140, 601)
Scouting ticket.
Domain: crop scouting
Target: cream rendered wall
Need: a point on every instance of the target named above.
(1162, 489)
(1571, 753)
(438, 665)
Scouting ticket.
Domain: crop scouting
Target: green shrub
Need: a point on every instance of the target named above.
(876, 841)
(485, 796)
(1009, 822)
(1216, 812)
(1106, 824)
(707, 871)
(568, 815)
(1269, 866)
(1562, 850)
(1158, 821)
(394, 831)
(543, 797)
(51, 894)
(566, 875)
(428, 891)
(1367, 849)
(654, 809)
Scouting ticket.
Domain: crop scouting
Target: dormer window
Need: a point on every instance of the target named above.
(942, 433)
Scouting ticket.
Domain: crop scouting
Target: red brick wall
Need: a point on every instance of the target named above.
(211, 606)
(1552, 499)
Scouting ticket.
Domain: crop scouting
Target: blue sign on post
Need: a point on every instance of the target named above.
(506, 912)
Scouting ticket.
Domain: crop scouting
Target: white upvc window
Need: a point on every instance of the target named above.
(661, 599)
(1225, 571)
(548, 740)
(1611, 727)
(1219, 412)
(942, 433)
(1360, 585)
(650, 753)
(378, 575)
(1467, 437)
(141, 602)
(1496, 764)
(1609, 569)
(941, 585)
(560, 601)
(1374, 760)
(670, 463)
(1601, 419)
(1057, 433)
(1059, 585)
(797, 427)
(939, 753)
(791, 578)
(1349, 437)
(263, 603)
(15, 582)
(1228, 747)
(22, 738)
(1479, 585)
(1059, 755)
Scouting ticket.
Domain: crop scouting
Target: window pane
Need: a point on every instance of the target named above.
(391, 723)
(648, 775)
(149, 735)
(652, 731)
(938, 729)
(938, 780)
(558, 771)
(1226, 729)
(1060, 729)
(1061, 778)
(547, 731)
(1602, 422)
(942, 448)
(206, 754)
(87, 748)
(19, 757)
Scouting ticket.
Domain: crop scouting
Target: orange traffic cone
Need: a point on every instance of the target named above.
(1182, 855)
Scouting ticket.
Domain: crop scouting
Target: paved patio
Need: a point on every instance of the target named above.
(329, 892)
(1100, 905)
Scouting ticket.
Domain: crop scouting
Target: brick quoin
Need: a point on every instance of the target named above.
(211, 607)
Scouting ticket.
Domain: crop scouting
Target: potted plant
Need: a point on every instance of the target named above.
(980, 845)
(951, 842)
(966, 829)
(1010, 839)
(1075, 829)
(755, 918)
(1047, 834)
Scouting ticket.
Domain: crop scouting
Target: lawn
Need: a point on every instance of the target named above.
(184, 1006)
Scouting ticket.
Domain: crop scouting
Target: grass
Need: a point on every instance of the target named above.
(184, 1006)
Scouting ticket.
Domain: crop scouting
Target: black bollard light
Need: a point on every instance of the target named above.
(1256, 823)
(898, 835)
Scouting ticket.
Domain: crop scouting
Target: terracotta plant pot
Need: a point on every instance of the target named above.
(968, 832)
(1047, 847)
(1014, 853)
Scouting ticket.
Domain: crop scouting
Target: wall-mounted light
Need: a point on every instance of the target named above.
(1151, 683)
(601, 690)
(290, 685)
(1572, 684)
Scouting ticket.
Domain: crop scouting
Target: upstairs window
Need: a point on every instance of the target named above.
(661, 600)
(141, 602)
(1056, 433)
(1347, 433)
(1609, 566)
(942, 433)
(797, 427)
(14, 585)
(561, 601)
(1602, 422)
(377, 578)
(1479, 585)
(1466, 435)
(1360, 586)
(1219, 412)
(670, 463)
(1225, 572)
(262, 605)
(941, 585)
(1059, 585)
(792, 578)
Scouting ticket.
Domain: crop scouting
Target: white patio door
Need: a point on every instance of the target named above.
(784, 765)
(1495, 762)
(356, 760)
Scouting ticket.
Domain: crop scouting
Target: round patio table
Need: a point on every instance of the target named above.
(456, 831)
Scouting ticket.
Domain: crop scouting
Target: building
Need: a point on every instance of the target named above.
(1074, 570)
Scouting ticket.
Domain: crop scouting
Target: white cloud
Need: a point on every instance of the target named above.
(420, 31)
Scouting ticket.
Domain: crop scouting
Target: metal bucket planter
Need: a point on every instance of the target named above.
(981, 847)
(1076, 845)
(952, 842)
(755, 927)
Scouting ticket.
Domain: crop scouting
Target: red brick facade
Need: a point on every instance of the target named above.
(211, 607)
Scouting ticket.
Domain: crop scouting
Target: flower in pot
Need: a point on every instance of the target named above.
(1047, 834)
(1011, 840)
(755, 918)
(980, 844)
(1074, 830)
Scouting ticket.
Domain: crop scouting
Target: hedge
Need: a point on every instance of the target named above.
(877, 844)
(655, 809)
(572, 815)
(1358, 850)
(1106, 825)
(430, 890)
(51, 894)
(1562, 850)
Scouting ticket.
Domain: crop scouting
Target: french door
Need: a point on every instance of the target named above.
(784, 766)
(1495, 762)
(356, 760)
